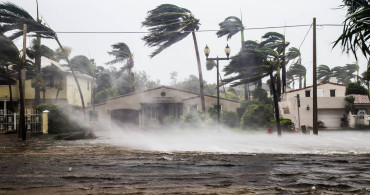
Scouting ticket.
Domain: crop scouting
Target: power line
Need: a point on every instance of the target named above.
(211, 30)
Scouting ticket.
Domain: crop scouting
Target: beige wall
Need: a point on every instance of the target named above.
(335, 104)
(73, 95)
(133, 101)
(340, 91)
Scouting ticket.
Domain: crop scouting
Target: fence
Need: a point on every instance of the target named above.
(9, 121)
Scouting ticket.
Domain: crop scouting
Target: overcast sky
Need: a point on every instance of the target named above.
(127, 16)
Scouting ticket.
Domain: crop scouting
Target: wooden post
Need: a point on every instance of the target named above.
(314, 80)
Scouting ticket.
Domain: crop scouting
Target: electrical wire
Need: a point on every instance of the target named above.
(211, 30)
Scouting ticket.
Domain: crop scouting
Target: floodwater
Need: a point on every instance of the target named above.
(226, 162)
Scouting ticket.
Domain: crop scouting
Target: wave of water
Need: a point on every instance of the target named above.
(233, 141)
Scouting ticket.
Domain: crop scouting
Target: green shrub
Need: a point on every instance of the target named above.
(356, 88)
(285, 123)
(230, 119)
(58, 121)
(256, 115)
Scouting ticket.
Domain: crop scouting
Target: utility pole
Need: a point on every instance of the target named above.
(22, 76)
(315, 124)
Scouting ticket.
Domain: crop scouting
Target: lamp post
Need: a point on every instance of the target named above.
(227, 52)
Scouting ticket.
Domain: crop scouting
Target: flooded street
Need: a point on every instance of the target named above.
(45, 166)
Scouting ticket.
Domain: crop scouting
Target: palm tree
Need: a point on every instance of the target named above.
(324, 73)
(35, 51)
(352, 71)
(12, 19)
(231, 26)
(356, 27)
(251, 65)
(276, 41)
(122, 54)
(341, 74)
(169, 24)
(290, 79)
(299, 71)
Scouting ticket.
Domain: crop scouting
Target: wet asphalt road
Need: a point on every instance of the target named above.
(45, 166)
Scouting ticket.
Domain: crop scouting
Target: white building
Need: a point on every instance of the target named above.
(330, 104)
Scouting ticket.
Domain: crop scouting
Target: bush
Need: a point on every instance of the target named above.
(102, 95)
(256, 115)
(58, 121)
(194, 119)
(230, 118)
(356, 88)
(285, 123)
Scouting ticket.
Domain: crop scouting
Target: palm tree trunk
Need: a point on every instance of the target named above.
(22, 121)
(59, 87)
(43, 95)
(38, 65)
(276, 104)
(74, 76)
(201, 86)
(304, 80)
(10, 93)
(278, 81)
(284, 69)
(300, 81)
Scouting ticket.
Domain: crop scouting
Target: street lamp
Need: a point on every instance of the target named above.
(227, 52)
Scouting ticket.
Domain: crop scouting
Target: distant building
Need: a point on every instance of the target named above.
(330, 104)
(68, 92)
(151, 107)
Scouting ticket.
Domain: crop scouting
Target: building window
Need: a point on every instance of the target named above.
(308, 94)
(193, 108)
(332, 93)
(215, 106)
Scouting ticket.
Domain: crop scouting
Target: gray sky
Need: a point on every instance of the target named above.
(120, 15)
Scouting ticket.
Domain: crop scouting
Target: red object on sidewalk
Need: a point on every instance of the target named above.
(269, 130)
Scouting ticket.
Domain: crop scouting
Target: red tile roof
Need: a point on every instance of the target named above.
(361, 99)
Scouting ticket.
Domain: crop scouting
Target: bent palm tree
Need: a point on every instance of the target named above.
(324, 73)
(231, 26)
(276, 41)
(251, 65)
(122, 54)
(169, 24)
(299, 71)
(12, 19)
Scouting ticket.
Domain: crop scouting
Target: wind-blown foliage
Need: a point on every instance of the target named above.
(168, 24)
(251, 65)
(356, 29)
(13, 17)
(230, 26)
(324, 73)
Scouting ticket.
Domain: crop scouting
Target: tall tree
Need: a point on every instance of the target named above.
(252, 64)
(324, 73)
(12, 19)
(229, 27)
(169, 24)
(276, 41)
(299, 71)
(122, 54)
